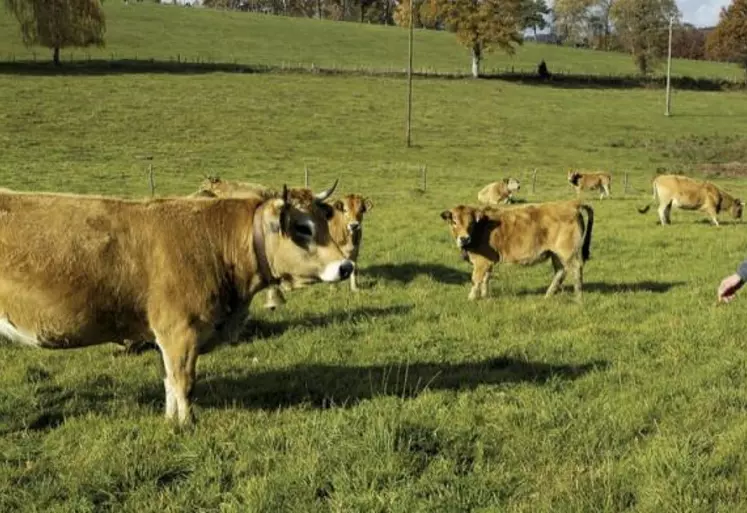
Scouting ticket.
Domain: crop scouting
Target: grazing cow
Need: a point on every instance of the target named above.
(498, 192)
(216, 187)
(689, 194)
(591, 181)
(84, 270)
(523, 235)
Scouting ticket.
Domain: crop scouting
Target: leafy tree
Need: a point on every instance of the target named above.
(688, 42)
(426, 14)
(642, 28)
(59, 24)
(572, 18)
(729, 40)
(482, 25)
(533, 14)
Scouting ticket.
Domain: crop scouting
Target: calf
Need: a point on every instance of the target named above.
(591, 181)
(498, 192)
(523, 235)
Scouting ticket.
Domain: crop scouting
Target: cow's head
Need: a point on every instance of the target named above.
(462, 221)
(573, 176)
(737, 208)
(352, 207)
(297, 243)
(512, 184)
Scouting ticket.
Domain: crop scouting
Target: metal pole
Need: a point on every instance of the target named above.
(409, 78)
(669, 67)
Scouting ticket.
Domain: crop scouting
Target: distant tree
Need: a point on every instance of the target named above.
(426, 14)
(59, 24)
(533, 14)
(482, 25)
(642, 28)
(571, 19)
(729, 40)
(688, 42)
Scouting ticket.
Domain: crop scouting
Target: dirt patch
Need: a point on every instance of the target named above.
(728, 169)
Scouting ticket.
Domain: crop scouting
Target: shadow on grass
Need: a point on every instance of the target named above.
(268, 328)
(658, 287)
(405, 273)
(330, 386)
(558, 80)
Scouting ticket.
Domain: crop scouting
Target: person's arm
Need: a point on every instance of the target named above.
(731, 284)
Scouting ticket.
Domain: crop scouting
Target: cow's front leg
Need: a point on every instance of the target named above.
(485, 284)
(179, 348)
(354, 280)
(480, 268)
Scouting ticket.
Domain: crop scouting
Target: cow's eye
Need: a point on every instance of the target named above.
(304, 230)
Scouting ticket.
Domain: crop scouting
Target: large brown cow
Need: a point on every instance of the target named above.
(84, 270)
(523, 235)
(590, 181)
(690, 194)
(498, 192)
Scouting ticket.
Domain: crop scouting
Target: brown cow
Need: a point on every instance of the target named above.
(498, 192)
(83, 270)
(689, 194)
(216, 187)
(591, 181)
(523, 235)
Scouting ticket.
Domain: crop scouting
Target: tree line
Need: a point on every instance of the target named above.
(638, 27)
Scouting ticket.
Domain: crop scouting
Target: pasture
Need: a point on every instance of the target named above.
(405, 397)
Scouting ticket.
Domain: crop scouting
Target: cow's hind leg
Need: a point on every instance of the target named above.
(577, 273)
(558, 277)
(179, 349)
(275, 298)
(665, 212)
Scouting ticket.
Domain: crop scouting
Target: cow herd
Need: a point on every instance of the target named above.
(81, 270)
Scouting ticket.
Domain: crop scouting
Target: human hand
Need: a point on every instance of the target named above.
(729, 287)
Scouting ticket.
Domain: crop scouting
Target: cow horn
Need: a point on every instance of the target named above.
(326, 194)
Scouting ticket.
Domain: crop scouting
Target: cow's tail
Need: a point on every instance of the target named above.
(586, 247)
(644, 209)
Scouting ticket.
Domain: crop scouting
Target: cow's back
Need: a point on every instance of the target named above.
(492, 193)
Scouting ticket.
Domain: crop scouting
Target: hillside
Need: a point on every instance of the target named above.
(165, 32)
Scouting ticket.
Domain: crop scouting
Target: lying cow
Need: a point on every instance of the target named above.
(498, 192)
(523, 235)
(345, 226)
(83, 270)
(689, 194)
(591, 181)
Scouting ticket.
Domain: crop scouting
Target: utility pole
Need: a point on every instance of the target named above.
(409, 80)
(669, 68)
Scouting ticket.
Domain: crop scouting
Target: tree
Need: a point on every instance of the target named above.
(59, 24)
(729, 41)
(482, 25)
(642, 28)
(688, 42)
(572, 18)
(533, 14)
(426, 14)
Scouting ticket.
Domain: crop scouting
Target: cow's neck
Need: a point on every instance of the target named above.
(260, 249)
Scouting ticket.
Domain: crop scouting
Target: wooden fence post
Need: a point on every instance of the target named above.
(306, 176)
(534, 180)
(423, 173)
(625, 191)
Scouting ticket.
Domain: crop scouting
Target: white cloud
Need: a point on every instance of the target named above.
(701, 13)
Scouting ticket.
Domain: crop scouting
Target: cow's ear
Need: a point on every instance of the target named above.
(505, 180)
(367, 205)
(480, 215)
(446, 215)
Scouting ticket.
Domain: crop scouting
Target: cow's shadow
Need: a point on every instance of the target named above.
(267, 327)
(657, 287)
(326, 386)
(408, 271)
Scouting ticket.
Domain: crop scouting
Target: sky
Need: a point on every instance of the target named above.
(701, 13)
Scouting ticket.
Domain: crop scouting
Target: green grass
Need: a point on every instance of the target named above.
(406, 397)
(165, 32)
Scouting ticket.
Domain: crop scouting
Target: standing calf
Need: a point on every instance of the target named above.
(523, 235)
(591, 181)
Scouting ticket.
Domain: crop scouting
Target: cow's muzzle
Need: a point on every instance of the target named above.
(354, 227)
(337, 271)
(464, 241)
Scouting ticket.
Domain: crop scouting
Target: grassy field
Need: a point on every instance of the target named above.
(405, 397)
(165, 32)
